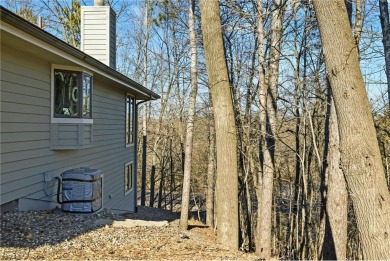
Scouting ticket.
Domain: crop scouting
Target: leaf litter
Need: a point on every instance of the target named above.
(55, 235)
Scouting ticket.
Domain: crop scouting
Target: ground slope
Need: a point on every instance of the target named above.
(57, 235)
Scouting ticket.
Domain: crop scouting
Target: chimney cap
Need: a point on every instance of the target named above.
(98, 2)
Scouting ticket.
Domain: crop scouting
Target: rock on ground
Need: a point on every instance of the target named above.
(56, 235)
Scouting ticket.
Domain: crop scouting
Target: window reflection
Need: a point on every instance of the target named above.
(69, 101)
(128, 177)
(66, 94)
(87, 87)
(129, 119)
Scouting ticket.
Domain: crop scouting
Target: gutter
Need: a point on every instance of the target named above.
(150, 99)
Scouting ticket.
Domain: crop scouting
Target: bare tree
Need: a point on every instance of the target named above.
(268, 123)
(68, 15)
(190, 121)
(145, 107)
(360, 155)
(226, 141)
(263, 117)
(23, 8)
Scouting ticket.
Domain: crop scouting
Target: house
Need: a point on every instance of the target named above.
(63, 108)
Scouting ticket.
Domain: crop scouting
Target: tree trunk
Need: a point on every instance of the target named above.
(211, 173)
(268, 132)
(335, 242)
(360, 155)
(226, 141)
(262, 98)
(144, 155)
(384, 17)
(144, 131)
(185, 200)
(358, 22)
(162, 183)
(172, 183)
(152, 184)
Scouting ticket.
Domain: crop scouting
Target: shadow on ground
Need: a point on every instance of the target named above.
(34, 229)
(152, 214)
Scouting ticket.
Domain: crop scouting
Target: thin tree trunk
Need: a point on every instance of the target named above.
(211, 173)
(304, 192)
(144, 155)
(185, 199)
(262, 114)
(162, 183)
(152, 184)
(144, 118)
(384, 17)
(360, 155)
(358, 21)
(296, 199)
(265, 226)
(293, 224)
(172, 183)
(226, 141)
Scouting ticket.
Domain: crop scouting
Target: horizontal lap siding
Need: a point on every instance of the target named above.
(25, 135)
(25, 118)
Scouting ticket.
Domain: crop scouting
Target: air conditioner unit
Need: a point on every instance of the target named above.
(81, 190)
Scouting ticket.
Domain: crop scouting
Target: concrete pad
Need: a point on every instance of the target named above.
(103, 222)
(139, 223)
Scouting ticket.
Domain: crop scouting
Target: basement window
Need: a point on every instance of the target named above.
(128, 177)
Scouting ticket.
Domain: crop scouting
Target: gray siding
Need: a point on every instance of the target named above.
(26, 146)
(71, 136)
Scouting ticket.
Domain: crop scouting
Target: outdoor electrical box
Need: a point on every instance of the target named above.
(81, 190)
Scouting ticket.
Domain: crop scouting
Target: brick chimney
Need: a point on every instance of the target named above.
(98, 32)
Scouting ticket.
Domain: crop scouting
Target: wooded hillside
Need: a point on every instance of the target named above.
(273, 122)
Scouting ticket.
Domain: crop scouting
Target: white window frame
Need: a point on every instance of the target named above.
(66, 120)
(131, 163)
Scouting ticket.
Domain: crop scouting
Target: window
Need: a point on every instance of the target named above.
(128, 177)
(72, 94)
(71, 108)
(129, 119)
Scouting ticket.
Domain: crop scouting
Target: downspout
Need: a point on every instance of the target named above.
(136, 152)
(150, 98)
